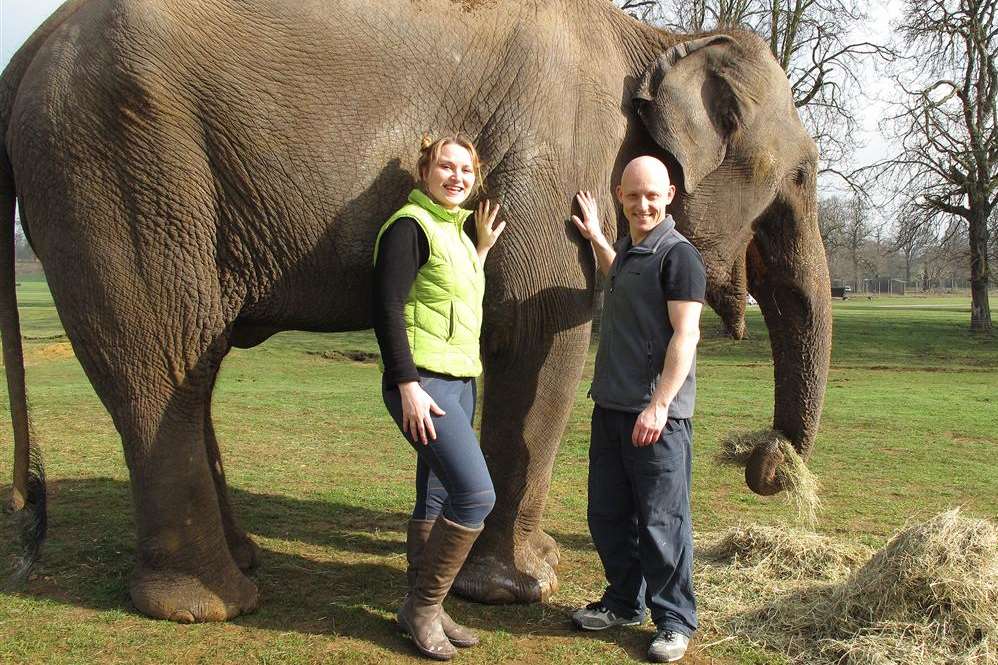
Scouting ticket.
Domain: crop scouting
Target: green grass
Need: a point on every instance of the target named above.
(321, 478)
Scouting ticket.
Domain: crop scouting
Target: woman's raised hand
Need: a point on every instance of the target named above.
(589, 225)
(487, 230)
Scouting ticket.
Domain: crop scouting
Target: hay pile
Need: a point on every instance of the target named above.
(930, 596)
(799, 485)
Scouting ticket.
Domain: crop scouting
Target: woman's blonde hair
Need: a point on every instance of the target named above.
(429, 152)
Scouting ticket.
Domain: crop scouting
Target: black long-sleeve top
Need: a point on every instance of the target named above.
(402, 251)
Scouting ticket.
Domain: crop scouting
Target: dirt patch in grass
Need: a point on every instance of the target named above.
(346, 356)
(36, 354)
(977, 369)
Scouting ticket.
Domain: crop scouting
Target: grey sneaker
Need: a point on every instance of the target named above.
(595, 616)
(667, 646)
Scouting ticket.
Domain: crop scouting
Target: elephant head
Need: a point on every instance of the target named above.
(721, 107)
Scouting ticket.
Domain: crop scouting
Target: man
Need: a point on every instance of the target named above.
(644, 386)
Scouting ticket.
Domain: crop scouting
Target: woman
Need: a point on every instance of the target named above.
(428, 287)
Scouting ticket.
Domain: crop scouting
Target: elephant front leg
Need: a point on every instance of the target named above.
(529, 393)
(727, 291)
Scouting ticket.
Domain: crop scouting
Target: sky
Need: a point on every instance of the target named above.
(878, 88)
(19, 18)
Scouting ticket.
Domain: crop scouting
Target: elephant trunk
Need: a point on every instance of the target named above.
(788, 275)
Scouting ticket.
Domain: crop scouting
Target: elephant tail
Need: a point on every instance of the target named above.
(28, 496)
(27, 502)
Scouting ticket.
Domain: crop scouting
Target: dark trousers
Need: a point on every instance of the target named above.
(451, 475)
(639, 519)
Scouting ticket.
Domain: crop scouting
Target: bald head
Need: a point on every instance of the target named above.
(644, 192)
(646, 167)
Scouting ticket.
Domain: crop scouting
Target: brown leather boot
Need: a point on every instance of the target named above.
(446, 549)
(415, 541)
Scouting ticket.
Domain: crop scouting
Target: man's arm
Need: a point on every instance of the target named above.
(590, 229)
(684, 315)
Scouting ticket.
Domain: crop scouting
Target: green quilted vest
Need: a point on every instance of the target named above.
(443, 313)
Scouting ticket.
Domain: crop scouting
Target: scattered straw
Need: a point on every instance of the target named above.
(785, 552)
(800, 487)
(737, 447)
(930, 596)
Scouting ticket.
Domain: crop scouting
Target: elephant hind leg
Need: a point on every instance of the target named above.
(132, 259)
(152, 357)
(242, 548)
(185, 570)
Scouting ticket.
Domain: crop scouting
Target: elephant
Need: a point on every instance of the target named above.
(197, 175)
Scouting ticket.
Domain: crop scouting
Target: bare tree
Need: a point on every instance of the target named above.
(947, 164)
(945, 258)
(22, 249)
(833, 213)
(643, 10)
(910, 239)
(810, 39)
(993, 251)
(856, 232)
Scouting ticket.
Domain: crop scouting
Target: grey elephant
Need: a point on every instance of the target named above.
(197, 175)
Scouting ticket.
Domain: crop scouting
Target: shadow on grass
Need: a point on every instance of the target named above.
(318, 573)
(325, 568)
(579, 542)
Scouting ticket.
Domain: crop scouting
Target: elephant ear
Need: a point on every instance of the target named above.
(689, 106)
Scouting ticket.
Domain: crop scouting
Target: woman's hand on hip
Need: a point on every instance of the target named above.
(487, 230)
(417, 409)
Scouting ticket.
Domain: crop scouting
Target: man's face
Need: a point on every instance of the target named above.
(644, 192)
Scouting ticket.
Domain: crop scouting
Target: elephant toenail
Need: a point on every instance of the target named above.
(182, 616)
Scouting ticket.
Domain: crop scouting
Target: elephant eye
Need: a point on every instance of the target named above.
(802, 174)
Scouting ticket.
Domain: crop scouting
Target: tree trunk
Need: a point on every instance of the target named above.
(980, 309)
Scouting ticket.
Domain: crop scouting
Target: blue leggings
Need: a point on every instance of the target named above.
(451, 475)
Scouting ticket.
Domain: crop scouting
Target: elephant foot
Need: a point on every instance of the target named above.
(244, 551)
(545, 547)
(498, 577)
(185, 598)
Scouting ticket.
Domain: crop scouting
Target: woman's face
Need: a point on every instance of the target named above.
(450, 179)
